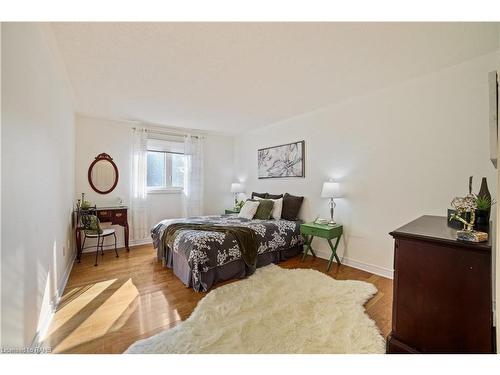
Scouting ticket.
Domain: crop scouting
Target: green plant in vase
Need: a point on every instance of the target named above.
(483, 209)
(484, 203)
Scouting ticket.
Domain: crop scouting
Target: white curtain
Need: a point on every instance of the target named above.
(193, 177)
(138, 185)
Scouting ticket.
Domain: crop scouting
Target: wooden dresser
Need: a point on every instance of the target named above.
(442, 291)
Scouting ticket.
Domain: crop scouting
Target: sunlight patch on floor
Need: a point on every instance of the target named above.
(103, 318)
(155, 303)
(75, 305)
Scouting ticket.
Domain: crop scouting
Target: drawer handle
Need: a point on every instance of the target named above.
(104, 212)
(118, 214)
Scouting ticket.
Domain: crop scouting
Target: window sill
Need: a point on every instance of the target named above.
(166, 191)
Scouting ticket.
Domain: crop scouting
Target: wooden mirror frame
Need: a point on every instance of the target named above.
(108, 158)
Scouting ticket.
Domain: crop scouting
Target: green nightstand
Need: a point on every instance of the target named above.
(232, 211)
(328, 232)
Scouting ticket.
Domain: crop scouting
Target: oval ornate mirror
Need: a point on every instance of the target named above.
(103, 174)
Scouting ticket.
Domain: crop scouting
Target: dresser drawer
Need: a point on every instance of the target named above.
(314, 231)
(323, 232)
(113, 216)
(119, 216)
(104, 215)
(119, 213)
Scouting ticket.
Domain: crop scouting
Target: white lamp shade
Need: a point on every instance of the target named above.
(237, 188)
(330, 190)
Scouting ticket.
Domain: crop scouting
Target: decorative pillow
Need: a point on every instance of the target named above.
(264, 210)
(274, 196)
(249, 209)
(277, 207)
(91, 224)
(260, 195)
(291, 206)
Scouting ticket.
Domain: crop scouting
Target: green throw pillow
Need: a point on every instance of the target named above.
(265, 209)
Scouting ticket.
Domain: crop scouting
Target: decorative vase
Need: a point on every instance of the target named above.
(483, 191)
(483, 216)
(482, 219)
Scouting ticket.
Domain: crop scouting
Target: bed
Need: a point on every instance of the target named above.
(202, 258)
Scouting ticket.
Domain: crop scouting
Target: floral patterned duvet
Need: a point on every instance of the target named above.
(205, 250)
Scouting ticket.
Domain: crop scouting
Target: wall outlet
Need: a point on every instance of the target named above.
(64, 251)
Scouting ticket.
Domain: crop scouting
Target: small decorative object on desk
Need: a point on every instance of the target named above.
(473, 211)
(462, 206)
(85, 205)
(472, 236)
(464, 214)
(318, 220)
(467, 204)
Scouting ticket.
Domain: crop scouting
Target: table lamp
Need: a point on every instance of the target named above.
(331, 190)
(237, 188)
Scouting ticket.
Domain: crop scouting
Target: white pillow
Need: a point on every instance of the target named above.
(249, 209)
(277, 208)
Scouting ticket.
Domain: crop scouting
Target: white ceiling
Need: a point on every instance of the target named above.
(231, 77)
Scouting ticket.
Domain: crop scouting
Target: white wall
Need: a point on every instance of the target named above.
(95, 136)
(38, 146)
(496, 280)
(496, 272)
(398, 153)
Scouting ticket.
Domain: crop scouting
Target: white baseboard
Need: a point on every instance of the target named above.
(47, 317)
(119, 245)
(372, 268)
(144, 241)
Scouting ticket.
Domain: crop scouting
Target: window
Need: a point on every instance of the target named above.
(165, 168)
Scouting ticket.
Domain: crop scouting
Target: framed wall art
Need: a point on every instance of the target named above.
(282, 161)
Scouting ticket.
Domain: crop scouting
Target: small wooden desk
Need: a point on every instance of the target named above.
(113, 215)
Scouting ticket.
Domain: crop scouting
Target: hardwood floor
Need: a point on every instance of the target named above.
(105, 309)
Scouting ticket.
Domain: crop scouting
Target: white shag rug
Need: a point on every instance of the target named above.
(276, 310)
